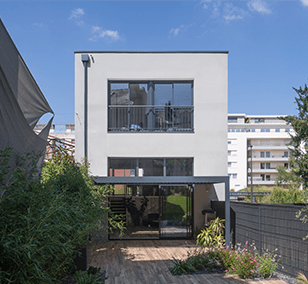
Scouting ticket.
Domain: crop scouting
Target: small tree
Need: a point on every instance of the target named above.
(300, 138)
(288, 177)
(300, 142)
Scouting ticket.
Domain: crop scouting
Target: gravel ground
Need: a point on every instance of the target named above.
(278, 276)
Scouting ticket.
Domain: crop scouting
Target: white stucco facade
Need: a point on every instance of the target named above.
(207, 144)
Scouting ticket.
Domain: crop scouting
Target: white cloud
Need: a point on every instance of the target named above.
(233, 13)
(215, 12)
(304, 2)
(109, 35)
(260, 6)
(76, 15)
(38, 24)
(175, 31)
(205, 3)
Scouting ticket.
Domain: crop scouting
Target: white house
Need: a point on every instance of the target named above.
(154, 125)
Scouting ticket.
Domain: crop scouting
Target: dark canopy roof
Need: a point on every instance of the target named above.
(161, 180)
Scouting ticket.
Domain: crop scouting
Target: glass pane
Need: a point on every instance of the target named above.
(183, 94)
(151, 167)
(122, 167)
(163, 94)
(138, 94)
(179, 167)
(176, 211)
(119, 189)
(118, 94)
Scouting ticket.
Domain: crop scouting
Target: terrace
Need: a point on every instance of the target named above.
(139, 262)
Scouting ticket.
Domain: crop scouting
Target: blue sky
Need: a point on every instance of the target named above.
(267, 43)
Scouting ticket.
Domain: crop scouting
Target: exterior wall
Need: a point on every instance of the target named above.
(203, 194)
(207, 145)
(272, 141)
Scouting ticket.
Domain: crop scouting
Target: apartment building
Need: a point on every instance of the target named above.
(60, 136)
(269, 137)
(153, 125)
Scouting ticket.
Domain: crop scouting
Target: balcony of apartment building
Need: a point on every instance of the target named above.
(263, 179)
(281, 144)
(266, 170)
(61, 128)
(270, 156)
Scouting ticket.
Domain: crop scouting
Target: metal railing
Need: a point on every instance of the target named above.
(150, 118)
(240, 195)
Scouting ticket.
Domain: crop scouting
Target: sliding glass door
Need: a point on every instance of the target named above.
(176, 211)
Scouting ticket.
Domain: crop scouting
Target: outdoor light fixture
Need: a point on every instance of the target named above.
(251, 184)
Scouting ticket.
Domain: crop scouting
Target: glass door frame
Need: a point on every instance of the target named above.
(189, 207)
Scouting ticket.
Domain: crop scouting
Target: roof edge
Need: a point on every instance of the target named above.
(184, 52)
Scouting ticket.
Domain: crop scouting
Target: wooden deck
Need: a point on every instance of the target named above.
(148, 261)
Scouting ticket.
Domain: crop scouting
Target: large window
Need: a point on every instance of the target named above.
(150, 106)
(131, 167)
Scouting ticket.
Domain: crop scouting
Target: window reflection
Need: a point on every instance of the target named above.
(179, 167)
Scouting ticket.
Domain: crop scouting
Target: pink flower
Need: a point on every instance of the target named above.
(252, 271)
(251, 261)
(246, 243)
(233, 268)
(242, 262)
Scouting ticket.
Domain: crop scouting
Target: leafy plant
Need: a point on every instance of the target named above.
(213, 235)
(43, 219)
(91, 276)
(246, 261)
(301, 278)
(267, 265)
(242, 260)
(136, 213)
(182, 267)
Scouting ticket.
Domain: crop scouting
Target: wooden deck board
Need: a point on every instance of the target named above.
(148, 261)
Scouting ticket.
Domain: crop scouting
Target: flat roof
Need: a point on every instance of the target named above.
(184, 52)
(162, 180)
(255, 115)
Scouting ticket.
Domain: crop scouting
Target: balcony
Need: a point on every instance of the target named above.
(264, 171)
(271, 158)
(260, 181)
(150, 118)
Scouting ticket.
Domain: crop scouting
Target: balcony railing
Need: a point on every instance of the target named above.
(150, 118)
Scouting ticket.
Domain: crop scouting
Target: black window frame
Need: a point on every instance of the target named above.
(137, 128)
(137, 161)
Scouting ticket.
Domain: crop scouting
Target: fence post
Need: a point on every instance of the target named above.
(260, 229)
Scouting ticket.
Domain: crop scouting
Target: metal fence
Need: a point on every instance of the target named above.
(271, 226)
(150, 118)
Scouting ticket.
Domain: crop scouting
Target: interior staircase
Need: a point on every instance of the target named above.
(117, 206)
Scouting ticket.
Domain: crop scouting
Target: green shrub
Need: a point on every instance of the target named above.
(267, 265)
(213, 235)
(182, 267)
(44, 219)
(91, 276)
(244, 261)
